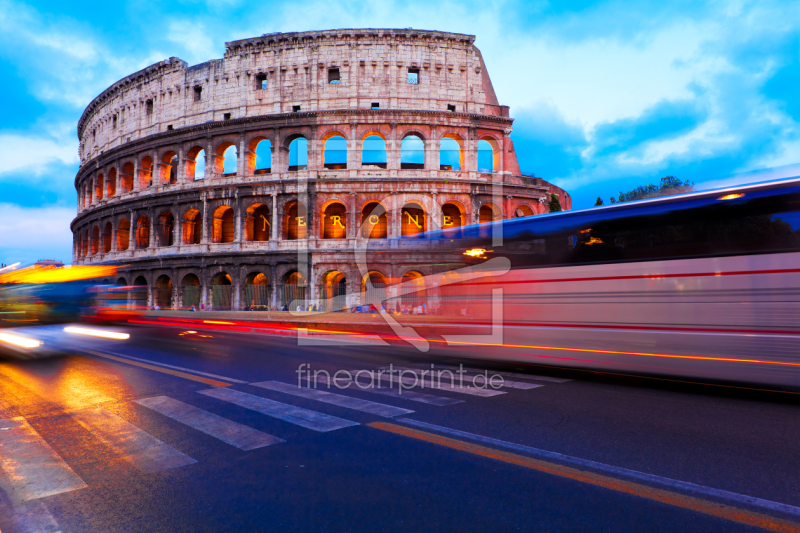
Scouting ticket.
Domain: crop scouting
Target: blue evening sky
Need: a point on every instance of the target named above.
(606, 95)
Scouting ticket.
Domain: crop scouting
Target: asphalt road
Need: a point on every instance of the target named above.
(209, 431)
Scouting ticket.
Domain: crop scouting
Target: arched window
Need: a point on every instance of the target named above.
(256, 292)
(293, 292)
(164, 230)
(523, 211)
(126, 178)
(413, 220)
(263, 157)
(373, 152)
(412, 153)
(298, 154)
(190, 291)
(334, 222)
(123, 234)
(333, 292)
(192, 227)
(146, 172)
(489, 213)
(296, 221)
(450, 157)
(95, 240)
(373, 289)
(111, 186)
(163, 292)
(258, 224)
(169, 168)
(86, 243)
(98, 187)
(143, 232)
(221, 291)
(196, 163)
(223, 230)
(226, 159)
(451, 216)
(108, 233)
(488, 155)
(334, 153)
(373, 221)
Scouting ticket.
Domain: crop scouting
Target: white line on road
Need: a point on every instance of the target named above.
(407, 394)
(235, 434)
(504, 374)
(288, 413)
(469, 378)
(135, 445)
(619, 471)
(31, 468)
(173, 367)
(349, 402)
(445, 385)
(35, 517)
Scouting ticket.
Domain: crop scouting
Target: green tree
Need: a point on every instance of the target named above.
(669, 185)
(598, 202)
(555, 204)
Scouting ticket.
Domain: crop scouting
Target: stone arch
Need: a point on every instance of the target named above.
(221, 291)
(334, 151)
(451, 152)
(412, 151)
(257, 223)
(108, 233)
(123, 234)
(191, 291)
(146, 172)
(293, 289)
(412, 219)
(226, 159)
(256, 291)
(333, 291)
(374, 223)
(452, 216)
(295, 220)
(195, 165)
(126, 178)
(524, 210)
(259, 155)
(489, 212)
(143, 232)
(163, 292)
(373, 150)
(223, 229)
(334, 220)
(488, 155)
(412, 300)
(121, 282)
(373, 289)
(297, 146)
(95, 240)
(111, 186)
(86, 243)
(192, 227)
(98, 186)
(165, 229)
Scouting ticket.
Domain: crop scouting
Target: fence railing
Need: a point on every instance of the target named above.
(256, 297)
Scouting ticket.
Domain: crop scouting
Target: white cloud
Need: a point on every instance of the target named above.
(30, 232)
(194, 38)
(33, 153)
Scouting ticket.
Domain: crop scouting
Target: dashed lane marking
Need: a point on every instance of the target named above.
(414, 396)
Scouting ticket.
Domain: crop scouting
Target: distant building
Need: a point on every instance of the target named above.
(205, 181)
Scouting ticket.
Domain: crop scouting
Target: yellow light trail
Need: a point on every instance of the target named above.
(23, 342)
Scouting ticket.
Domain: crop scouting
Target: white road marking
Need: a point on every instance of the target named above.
(616, 470)
(341, 400)
(407, 394)
(288, 413)
(233, 433)
(504, 374)
(469, 379)
(445, 385)
(30, 468)
(135, 445)
(35, 517)
(173, 367)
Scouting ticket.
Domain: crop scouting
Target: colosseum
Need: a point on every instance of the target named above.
(245, 182)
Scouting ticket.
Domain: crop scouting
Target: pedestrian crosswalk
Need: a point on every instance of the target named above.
(30, 469)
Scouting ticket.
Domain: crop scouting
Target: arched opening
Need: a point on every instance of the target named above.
(192, 227)
(256, 292)
(295, 221)
(126, 178)
(143, 232)
(190, 291)
(414, 303)
(165, 225)
(221, 292)
(139, 293)
(450, 154)
(111, 186)
(373, 152)
(334, 221)
(196, 163)
(333, 292)
(523, 211)
(121, 282)
(223, 228)
(98, 187)
(298, 154)
(373, 290)
(86, 243)
(146, 172)
(489, 213)
(163, 292)
(169, 168)
(412, 153)
(451, 216)
(227, 159)
(108, 233)
(488, 155)
(334, 153)
(373, 221)
(293, 292)
(413, 220)
(123, 234)
(95, 240)
(257, 224)
(261, 154)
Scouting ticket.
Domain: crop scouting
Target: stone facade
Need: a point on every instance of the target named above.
(308, 141)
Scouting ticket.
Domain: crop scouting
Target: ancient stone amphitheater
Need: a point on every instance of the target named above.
(246, 182)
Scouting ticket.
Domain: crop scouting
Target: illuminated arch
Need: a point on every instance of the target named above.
(143, 232)
(489, 212)
(95, 240)
(488, 155)
(373, 150)
(98, 187)
(412, 152)
(523, 210)
(374, 221)
(334, 221)
(295, 217)
(126, 178)
(111, 186)
(293, 290)
(258, 223)
(123, 234)
(165, 226)
(195, 165)
(413, 219)
(259, 156)
(223, 229)
(333, 291)
(227, 159)
(146, 172)
(452, 216)
(451, 153)
(298, 153)
(192, 227)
